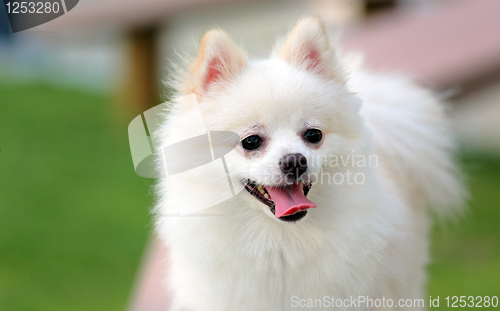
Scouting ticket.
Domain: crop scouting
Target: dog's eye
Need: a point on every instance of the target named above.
(313, 135)
(251, 142)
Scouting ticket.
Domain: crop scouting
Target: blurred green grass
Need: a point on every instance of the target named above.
(74, 217)
(466, 254)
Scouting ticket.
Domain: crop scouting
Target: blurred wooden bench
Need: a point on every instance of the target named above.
(452, 46)
(140, 21)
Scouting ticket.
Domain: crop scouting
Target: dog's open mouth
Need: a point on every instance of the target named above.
(287, 203)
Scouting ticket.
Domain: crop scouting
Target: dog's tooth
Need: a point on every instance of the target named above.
(262, 191)
(266, 196)
(259, 187)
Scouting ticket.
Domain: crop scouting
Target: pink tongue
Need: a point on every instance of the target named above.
(289, 200)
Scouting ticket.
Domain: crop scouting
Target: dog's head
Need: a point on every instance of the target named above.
(291, 113)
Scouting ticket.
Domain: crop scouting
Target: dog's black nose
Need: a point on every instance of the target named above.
(294, 165)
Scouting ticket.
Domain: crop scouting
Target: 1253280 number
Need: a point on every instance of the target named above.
(471, 301)
(32, 7)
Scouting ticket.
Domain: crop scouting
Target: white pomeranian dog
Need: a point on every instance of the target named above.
(337, 168)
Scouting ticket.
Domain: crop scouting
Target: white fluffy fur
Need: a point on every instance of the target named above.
(361, 240)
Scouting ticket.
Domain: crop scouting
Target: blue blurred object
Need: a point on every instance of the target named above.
(5, 31)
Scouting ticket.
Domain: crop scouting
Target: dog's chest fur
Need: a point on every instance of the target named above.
(248, 261)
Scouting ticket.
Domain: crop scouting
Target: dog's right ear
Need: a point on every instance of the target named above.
(219, 60)
(308, 47)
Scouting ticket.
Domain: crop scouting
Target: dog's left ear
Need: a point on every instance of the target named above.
(219, 60)
(308, 47)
